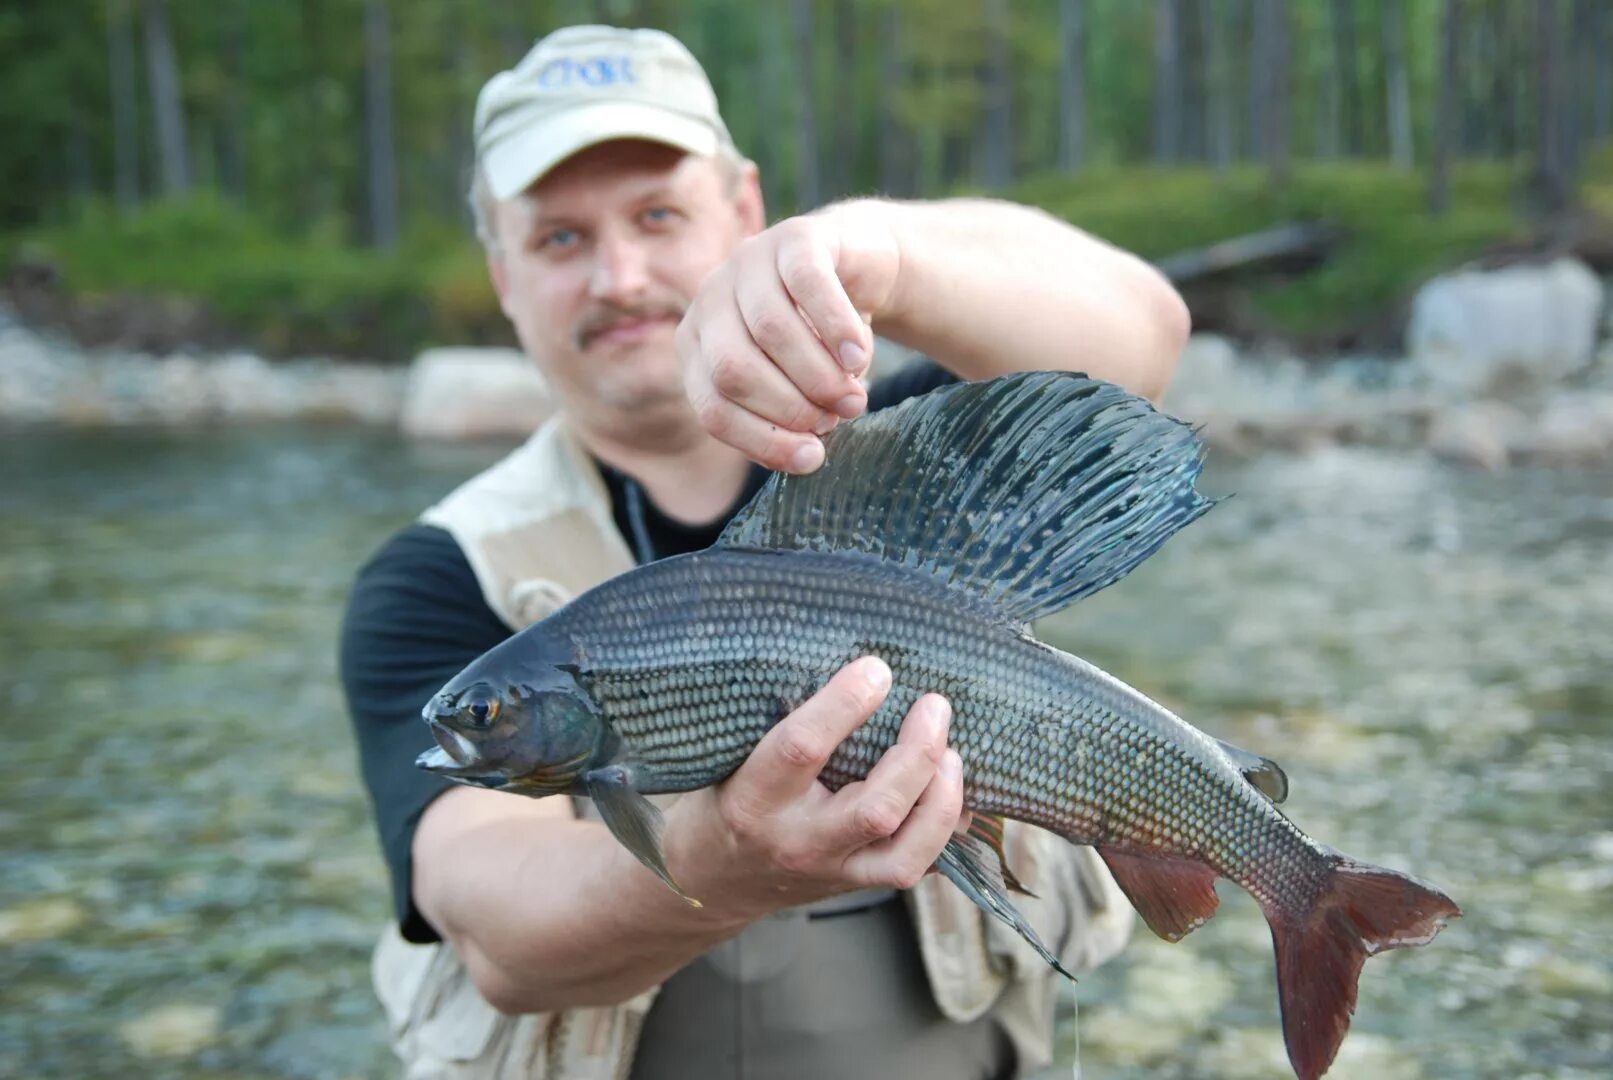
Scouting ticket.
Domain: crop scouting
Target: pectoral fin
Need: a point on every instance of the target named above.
(632, 819)
(969, 865)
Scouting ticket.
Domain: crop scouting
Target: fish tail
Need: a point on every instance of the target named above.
(1359, 910)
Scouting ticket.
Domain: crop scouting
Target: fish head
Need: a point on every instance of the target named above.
(535, 733)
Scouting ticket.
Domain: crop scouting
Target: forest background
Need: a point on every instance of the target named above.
(290, 175)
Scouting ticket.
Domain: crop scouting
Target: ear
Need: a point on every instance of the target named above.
(499, 274)
(752, 212)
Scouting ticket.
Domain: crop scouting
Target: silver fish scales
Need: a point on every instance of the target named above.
(935, 534)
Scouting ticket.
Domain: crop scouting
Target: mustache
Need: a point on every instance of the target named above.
(607, 315)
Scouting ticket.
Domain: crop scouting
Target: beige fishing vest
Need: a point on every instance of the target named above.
(537, 530)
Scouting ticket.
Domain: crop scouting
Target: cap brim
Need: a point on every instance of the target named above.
(513, 164)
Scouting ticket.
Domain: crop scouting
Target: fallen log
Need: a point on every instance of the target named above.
(1286, 247)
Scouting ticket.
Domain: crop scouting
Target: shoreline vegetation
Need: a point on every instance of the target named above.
(205, 274)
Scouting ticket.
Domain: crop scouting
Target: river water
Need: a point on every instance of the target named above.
(189, 886)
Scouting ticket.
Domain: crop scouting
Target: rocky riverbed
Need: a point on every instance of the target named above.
(189, 880)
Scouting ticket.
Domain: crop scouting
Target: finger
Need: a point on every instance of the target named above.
(780, 331)
(875, 808)
(760, 440)
(807, 270)
(904, 858)
(749, 377)
(788, 759)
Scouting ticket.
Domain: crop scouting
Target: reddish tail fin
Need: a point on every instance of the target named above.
(1362, 910)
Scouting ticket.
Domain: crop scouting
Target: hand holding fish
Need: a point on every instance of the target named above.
(773, 836)
(776, 337)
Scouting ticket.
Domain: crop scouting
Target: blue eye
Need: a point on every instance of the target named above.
(559, 238)
(658, 215)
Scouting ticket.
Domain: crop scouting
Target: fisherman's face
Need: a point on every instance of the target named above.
(600, 258)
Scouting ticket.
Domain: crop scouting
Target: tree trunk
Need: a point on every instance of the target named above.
(1275, 114)
(808, 179)
(383, 172)
(1072, 84)
(1551, 174)
(843, 175)
(1439, 180)
(895, 150)
(1397, 86)
(1346, 60)
(125, 125)
(1167, 81)
(166, 106)
(773, 75)
(462, 106)
(1329, 92)
(1260, 80)
(1602, 73)
(80, 178)
(232, 132)
(1579, 77)
(514, 37)
(1217, 97)
(997, 115)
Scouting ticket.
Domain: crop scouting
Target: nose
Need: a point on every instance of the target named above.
(621, 269)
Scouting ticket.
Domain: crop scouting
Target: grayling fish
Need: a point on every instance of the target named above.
(936, 532)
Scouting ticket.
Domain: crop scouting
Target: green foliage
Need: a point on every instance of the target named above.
(273, 105)
(1391, 244)
(282, 293)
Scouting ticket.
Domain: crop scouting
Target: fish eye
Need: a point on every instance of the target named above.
(483, 708)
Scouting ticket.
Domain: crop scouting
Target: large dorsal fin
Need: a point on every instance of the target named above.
(1033, 490)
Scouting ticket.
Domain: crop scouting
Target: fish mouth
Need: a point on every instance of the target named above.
(454, 756)
(458, 748)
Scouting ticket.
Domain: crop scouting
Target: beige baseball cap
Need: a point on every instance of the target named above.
(589, 84)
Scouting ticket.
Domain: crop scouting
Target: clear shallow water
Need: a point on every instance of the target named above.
(189, 886)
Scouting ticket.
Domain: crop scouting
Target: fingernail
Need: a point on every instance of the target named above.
(853, 357)
(952, 764)
(942, 708)
(807, 457)
(851, 406)
(826, 423)
(878, 674)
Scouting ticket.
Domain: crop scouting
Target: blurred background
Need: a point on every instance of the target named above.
(235, 258)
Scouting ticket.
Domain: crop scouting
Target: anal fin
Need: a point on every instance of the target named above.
(965, 863)
(1175, 896)
(632, 819)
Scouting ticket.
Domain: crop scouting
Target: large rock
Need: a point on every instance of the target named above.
(468, 393)
(1472, 329)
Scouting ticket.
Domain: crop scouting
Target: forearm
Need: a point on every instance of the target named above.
(549, 912)
(988, 287)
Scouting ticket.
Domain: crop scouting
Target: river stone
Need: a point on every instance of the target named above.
(1482, 434)
(466, 393)
(1574, 429)
(172, 1031)
(1472, 328)
(38, 920)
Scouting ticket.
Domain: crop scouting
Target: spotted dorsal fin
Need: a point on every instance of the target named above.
(1032, 490)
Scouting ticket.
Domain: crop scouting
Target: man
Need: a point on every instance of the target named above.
(689, 345)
